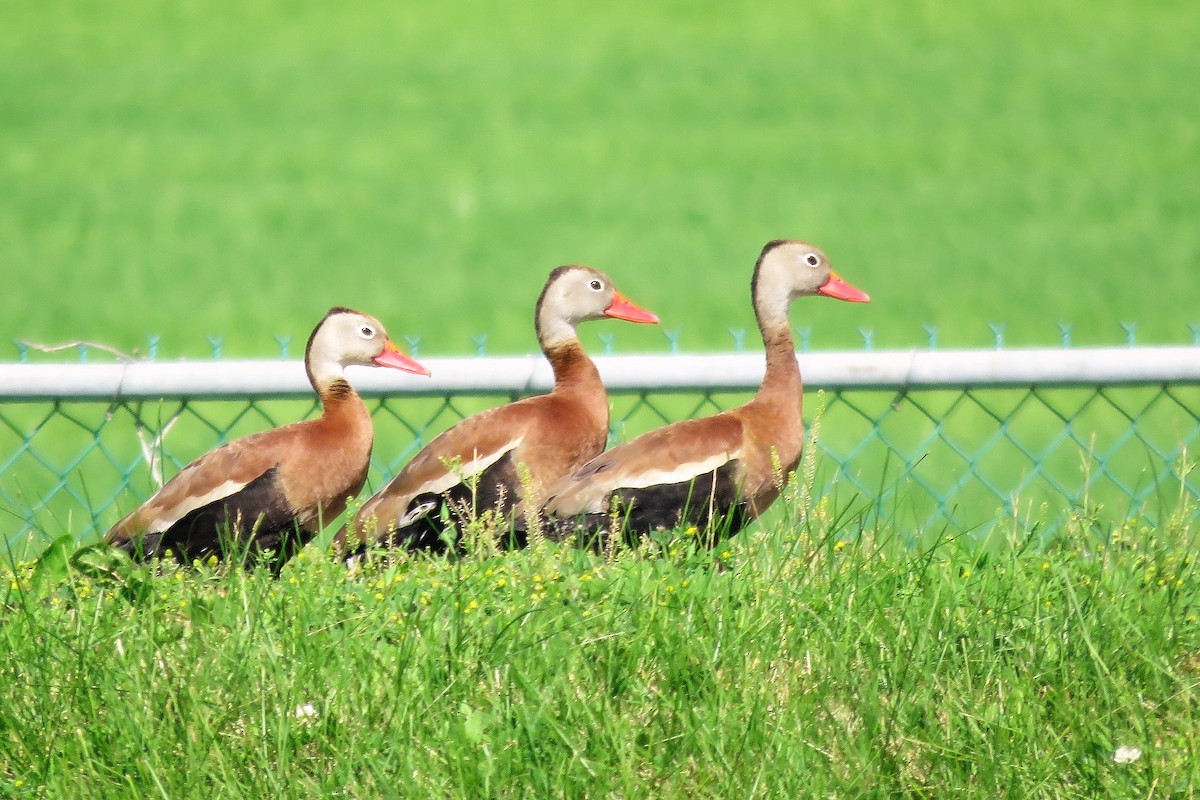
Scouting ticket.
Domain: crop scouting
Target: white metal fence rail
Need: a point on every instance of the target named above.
(882, 370)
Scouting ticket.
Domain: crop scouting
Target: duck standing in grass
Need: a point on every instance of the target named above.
(716, 473)
(489, 460)
(274, 491)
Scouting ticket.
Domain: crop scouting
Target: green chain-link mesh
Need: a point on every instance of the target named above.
(962, 460)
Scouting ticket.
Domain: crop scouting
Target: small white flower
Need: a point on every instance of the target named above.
(1127, 754)
(306, 714)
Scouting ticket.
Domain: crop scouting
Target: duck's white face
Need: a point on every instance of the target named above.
(788, 270)
(576, 294)
(347, 337)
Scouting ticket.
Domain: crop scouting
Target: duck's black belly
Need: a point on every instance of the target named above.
(239, 527)
(710, 502)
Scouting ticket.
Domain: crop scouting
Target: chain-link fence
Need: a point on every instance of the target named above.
(916, 453)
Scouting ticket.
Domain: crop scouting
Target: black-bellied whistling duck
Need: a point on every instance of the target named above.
(476, 465)
(275, 490)
(718, 472)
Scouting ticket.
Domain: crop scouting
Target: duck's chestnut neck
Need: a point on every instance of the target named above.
(572, 368)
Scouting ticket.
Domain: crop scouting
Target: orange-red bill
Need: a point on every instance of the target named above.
(621, 308)
(837, 288)
(393, 357)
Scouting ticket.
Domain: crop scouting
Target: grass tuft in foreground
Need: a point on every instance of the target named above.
(813, 660)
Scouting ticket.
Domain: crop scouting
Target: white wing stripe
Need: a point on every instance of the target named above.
(468, 469)
(682, 472)
(180, 510)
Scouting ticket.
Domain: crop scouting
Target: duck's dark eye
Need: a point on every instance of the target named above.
(596, 285)
(367, 331)
(813, 260)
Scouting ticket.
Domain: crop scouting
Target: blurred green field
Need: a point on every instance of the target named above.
(225, 169)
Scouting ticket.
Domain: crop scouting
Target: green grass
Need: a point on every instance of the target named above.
(215, 169)
(817, 659)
